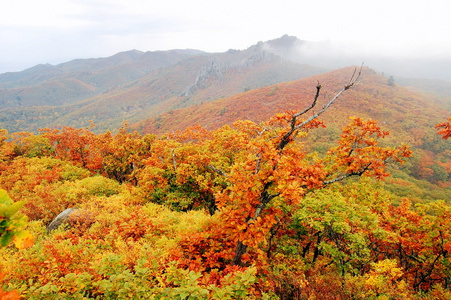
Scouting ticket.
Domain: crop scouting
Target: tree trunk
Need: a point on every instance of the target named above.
(240, 250)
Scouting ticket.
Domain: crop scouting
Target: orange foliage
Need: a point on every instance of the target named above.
(245, 210)
(75, 145)
(444, 129)
(12, 295)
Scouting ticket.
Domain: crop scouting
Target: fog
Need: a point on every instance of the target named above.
(333, 55)
(399, 37)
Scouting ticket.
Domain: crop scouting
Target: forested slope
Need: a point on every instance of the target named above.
(409, 116)
(243, 211)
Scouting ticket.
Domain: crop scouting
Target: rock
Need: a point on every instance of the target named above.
(211, 72)
(60, 219)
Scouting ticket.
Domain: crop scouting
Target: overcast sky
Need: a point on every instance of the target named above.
(56, 31)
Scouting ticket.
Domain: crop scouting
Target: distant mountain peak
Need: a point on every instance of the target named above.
(285, 41)
(286, 46)
(131, 53)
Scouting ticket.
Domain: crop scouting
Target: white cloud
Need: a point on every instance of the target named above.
(43, 13)
(57, 30)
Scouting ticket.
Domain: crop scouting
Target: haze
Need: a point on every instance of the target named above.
(56, 31)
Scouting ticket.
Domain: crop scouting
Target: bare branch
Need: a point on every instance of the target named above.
(218, 171)
(348, 86)
(360, 173)
(173, 160)
(318, 89)
(259, 133)
(352, 81)
(286, 138)
(293, 128)
(259, 160)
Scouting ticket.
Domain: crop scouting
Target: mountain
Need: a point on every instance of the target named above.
(372, 97)
(134, 85)
(81, 78)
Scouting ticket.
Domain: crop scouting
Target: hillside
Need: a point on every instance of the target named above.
(135, 85)
(254, 211)
(372, 97)
(81, 78)
(39, 96)
(409, 116)
(439, 88)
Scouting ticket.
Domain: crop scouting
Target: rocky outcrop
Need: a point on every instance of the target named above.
(211, 72)
(62, 218)
(257, 57)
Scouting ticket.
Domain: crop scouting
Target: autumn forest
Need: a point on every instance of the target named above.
(333, 186)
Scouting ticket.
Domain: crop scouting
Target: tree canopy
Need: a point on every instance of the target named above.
(245, 211)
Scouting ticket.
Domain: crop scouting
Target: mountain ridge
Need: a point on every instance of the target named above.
(176, 78)
(280, 97)
(135, 85)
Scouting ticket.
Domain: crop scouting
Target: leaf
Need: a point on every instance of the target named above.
(23, 239)
(4, 197)
(6, 238)
(9, 210)
(13, 295)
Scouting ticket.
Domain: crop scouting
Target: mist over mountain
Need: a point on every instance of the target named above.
(332, 55)
(136, 85)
